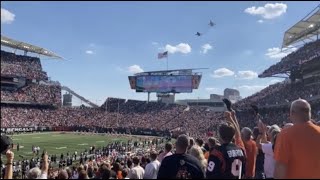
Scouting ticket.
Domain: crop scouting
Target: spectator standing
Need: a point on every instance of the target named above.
(259, 173)
(181, 165)
(228, 160)
(36, 173)
(167, 152)
(152, 168)
(251, 152)
(137, 172)
(197, 152)
(267, 147)
(212, 142)
(297, 148)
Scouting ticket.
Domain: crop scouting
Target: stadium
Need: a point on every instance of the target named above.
(36, 113)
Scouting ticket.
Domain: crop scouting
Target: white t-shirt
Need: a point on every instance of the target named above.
(151, 170)
(43, 176)
(75, 175)
(269, 162)
(136, 172)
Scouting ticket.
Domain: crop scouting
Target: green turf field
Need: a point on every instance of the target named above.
(57, 143)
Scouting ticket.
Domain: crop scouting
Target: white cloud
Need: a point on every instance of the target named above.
(211, 89)
(276, 53)
(221, 72)
(268, 11)
(135, 69)
(260, 21)
(181, 48)
(205, 48)
(7, 17)
(155, 43)
(247, 74)
(89, 52)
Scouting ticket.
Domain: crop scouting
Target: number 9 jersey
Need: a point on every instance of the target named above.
(226, 162)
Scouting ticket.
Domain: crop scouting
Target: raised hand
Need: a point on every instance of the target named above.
(10, 156)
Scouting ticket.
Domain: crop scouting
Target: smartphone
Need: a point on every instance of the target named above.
(228, 103)
(43, 153)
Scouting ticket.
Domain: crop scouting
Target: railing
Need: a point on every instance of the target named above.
(80, 97)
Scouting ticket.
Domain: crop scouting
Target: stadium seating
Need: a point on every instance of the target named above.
(21, 66)
(304, 54)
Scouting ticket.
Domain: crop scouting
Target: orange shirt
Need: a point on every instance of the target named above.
(119, 175)
(206, 155)
(239, 142)
(298, 147)
(251, 152)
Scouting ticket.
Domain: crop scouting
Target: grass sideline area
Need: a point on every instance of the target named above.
(58, 142)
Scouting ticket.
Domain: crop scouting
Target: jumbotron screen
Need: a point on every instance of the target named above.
(153, 83)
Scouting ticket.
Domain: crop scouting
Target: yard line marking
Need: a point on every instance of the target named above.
(16, 139)
(61, 147)
(100, 141)
(83, 144)
(31, 134)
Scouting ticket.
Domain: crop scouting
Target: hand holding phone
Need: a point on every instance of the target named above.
(228, 103)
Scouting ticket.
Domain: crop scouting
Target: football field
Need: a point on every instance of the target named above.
(57, 143)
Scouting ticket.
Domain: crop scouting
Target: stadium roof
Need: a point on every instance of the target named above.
(5, 41)
(307, 28)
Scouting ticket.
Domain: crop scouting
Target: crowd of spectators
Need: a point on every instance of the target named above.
(21, 66)
(157, 158)
(281, 93)
(34, 93)
(197, 121)
(304, 54)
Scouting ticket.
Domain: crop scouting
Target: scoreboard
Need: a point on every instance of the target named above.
(165, 83)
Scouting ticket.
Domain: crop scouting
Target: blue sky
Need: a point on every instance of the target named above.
(102, 40)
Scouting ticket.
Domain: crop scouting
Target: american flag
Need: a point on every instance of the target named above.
(163, 55)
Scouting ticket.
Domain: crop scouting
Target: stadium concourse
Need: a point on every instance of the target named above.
(208, 144)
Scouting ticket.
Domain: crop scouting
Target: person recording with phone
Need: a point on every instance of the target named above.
(228, 160)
